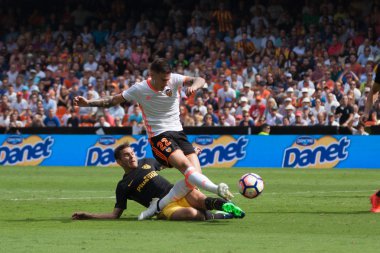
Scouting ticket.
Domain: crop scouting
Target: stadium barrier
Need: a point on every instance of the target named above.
(218, 150)
(275, 130)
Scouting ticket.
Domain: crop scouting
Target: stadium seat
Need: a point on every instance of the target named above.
(61, 110)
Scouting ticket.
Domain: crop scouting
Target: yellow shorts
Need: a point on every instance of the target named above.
(168, 211)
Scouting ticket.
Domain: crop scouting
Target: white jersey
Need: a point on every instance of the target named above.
(160, 111)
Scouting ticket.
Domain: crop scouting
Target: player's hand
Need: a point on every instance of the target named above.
(197, 150)
(190, 91)
(80, 216)
(80, 101)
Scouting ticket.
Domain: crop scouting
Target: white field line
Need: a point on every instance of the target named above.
(235, 193)
(58, 198)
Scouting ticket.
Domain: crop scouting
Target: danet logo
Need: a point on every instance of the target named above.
(29, 151)
(326, 152)
(224, 151)
(101, 154)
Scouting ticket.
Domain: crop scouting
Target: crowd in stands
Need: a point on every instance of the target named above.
(275, 62)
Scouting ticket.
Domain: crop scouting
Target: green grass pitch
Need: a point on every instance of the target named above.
(299, 211)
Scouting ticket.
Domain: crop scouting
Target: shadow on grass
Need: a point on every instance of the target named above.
(314, 212)
(68, 220)
(123, 219)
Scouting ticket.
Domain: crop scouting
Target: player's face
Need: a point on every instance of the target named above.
(128, 158)
(160, 80)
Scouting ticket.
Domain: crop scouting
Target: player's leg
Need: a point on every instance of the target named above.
(188, 213)
(182, 210)
(167, 151)
(172, 149)
(194, 174)
(200, 201)
(375, 201)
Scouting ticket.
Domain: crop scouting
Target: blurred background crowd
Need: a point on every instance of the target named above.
(275, 62)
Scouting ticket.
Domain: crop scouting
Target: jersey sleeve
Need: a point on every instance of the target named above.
(121, 198)
(178, 80)
(131, 94)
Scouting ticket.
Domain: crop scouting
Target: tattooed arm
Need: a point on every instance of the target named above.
(102, 102)
(193, 84)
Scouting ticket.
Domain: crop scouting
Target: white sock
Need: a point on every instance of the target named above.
(201, 181)
(179, 190)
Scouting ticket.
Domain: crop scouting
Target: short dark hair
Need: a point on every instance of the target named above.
(160, 65)
(263, 126)
(118, 149)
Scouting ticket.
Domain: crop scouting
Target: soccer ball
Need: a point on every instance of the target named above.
(251, 185)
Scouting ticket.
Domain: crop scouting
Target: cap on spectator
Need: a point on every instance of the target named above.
(50, 68)
(258, 98)
(19, 93)
(305, 107)
(288, 74)
(87, 69)
(306, 100)
(290, 89)
(247, 84)
(298, 113)
(205, 86)
(227, 99)
(288, 100)
(330, 114)
(262, 83)
(26, 88)
(305, 90)
(33, 71)
(367, 89)
(289, 107)
(243, 99)
(34, 88)
(370, 59)
(239, 117)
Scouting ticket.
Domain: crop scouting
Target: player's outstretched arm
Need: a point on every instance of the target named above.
(193, 84)
(117, 212)
(102, 102)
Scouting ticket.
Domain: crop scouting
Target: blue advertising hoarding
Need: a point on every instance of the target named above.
(277, 151)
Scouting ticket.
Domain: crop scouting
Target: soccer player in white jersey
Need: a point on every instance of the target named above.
(159, 98)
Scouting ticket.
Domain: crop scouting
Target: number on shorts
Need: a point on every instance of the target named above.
(163, 144)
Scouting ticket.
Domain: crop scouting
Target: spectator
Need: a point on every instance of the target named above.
(345, 112)
(274, 118)
(208, 120)
(360, 130)
(225, 93)
(331, 120)
(136, 115)
(199, 106)
(264, 129)
(51, 119)
(20, 105)
(102, 122)
(246, 120)
(73, 120)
